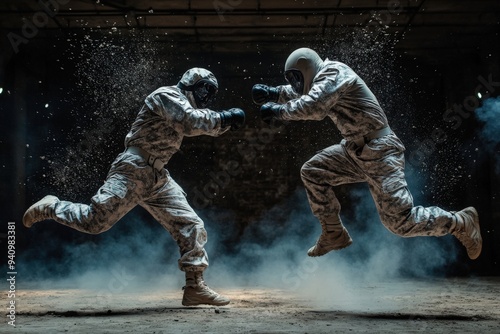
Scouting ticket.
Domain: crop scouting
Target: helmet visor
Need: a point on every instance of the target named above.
(296, 80)
(204, 92)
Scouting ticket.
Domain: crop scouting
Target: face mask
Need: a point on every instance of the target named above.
(204, 92)
(296, 80)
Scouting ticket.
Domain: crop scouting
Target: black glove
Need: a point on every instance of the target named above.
(234, 117)
(269, 112)
(262, 94)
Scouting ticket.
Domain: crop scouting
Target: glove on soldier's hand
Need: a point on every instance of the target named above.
(270, 111)
(262, 94)
(234, 117)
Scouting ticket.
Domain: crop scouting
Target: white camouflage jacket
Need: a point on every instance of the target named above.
(339, 93)
(164, 120)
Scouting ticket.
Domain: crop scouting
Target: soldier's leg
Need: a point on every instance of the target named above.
(118, 195)
(330, 167)
(169, 206)
(383, 161)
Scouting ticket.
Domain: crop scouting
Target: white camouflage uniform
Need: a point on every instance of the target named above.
(339, 93)
(166, 117)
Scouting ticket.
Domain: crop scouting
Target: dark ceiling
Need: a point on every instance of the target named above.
(421, 24)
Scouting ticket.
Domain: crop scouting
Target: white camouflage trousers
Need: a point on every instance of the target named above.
(130, 182)
(380, 163)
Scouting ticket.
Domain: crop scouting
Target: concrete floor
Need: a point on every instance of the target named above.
(459, 305)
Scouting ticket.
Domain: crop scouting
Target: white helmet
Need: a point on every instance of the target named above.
(300, 69)
(199, 85)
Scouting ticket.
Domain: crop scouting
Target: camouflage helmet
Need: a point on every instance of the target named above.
(200, 86)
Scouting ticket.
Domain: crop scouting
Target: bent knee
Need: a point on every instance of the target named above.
(395, 223)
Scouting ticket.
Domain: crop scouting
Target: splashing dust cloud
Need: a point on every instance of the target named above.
(116, 76)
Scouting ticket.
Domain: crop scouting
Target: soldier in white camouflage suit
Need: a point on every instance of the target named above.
(369, 152)
(138, 177)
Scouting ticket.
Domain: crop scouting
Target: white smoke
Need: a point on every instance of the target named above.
(273, 253)
(137, 254)
(489, 115)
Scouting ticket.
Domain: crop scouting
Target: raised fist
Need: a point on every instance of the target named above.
(262, 94)
(270, 111)
(234, 117)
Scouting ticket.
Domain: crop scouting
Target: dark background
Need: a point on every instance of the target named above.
(72, 86)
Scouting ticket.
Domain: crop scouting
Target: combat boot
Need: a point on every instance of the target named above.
(41, 210)
(467, 231)
(334, 236)
(197, 292)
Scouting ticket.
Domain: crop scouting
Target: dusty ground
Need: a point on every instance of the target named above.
(408, 306)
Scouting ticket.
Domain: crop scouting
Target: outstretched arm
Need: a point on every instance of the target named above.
(175, 107)
(281, 94)
(328, 87)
